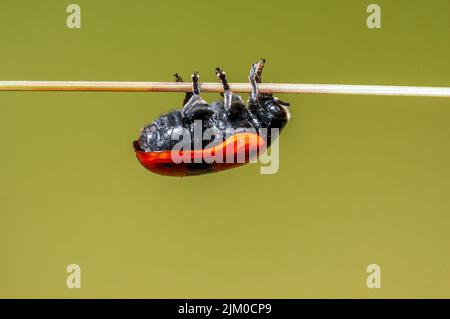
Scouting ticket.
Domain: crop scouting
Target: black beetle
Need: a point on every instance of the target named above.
(253, 124)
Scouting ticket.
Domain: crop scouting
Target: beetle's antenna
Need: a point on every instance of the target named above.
(291, 88)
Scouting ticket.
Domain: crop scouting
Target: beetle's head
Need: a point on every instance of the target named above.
(271, 111)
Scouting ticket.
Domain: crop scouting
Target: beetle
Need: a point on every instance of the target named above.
(238, 129)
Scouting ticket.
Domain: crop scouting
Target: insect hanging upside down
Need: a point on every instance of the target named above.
(214, 137)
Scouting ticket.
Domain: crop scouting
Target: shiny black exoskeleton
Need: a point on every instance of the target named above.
(231, 113)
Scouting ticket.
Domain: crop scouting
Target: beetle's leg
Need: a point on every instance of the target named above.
(188, 95)
(255, 77)
(195, 86)
(227, 95)
(194, 96)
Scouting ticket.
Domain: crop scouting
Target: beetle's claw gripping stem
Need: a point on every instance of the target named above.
(223, 78)
(195, 86)
(188, 95)
(192, 98)
(255, 77)
(227, 94)
(256, 71)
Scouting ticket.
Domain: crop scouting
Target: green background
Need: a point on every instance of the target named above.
(362, 179)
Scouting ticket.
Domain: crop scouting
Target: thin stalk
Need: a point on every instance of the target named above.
(217, 87)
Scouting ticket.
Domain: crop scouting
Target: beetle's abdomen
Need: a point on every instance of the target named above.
(236, 150)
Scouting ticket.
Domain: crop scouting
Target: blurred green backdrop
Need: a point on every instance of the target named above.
(362, 179)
